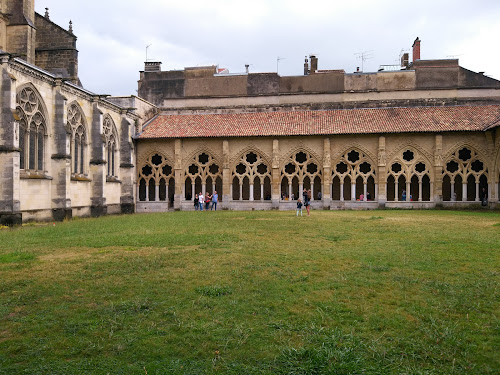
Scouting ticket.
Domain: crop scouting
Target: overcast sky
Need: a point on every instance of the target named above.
(113, 35)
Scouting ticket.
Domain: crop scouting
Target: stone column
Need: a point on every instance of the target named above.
(381, 195)
(179, 175)
(127, 165)
(275, 181)
(10, 205)
(251, 192)
(437, 193)
(226, 176)
(353, 191)
(61, 159)
(97, 172)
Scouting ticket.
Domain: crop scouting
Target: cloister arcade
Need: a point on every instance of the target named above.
(354, 176)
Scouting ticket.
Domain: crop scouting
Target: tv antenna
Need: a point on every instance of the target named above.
(278, 59)
(149, 45)
(363, 56)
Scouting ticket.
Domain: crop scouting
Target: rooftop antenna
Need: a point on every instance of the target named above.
(278, 63)
(365, 55)
(149, 45)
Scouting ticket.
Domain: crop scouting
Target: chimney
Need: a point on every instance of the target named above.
(416, 49)
(357, 69)
(152, 66)
(247, 70)
(306, 66)
(314, 64)
(405, 60)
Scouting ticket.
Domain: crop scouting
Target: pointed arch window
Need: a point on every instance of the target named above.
(110, 146)
(32, 130)
(78, 139)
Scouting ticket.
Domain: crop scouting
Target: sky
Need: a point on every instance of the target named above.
(113, 35)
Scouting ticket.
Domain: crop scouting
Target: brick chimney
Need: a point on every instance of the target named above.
(416, 49)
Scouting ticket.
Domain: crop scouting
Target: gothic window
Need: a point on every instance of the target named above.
(202, 174)
(299, 172)
(32, 130)
(353, 177)
(251, 178)
(78, 139)
(110, 146)
(464, 176)
(156, 179)
(408, 177)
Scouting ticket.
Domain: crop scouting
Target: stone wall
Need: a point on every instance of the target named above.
(56, 49)
(160, 88)
(57, 191)
(423, 157)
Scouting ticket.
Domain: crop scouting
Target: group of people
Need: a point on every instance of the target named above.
(201, 200)
(307, 202)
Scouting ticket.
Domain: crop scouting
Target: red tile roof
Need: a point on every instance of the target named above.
(325, 122)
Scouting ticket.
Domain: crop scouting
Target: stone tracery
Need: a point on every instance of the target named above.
(353, 175)
(78, 138)
(156, 179)
(202, 174)
(32, 129)
(110, 145)
(464, 175)
(300, 171)
(251, 177)
(409, 177)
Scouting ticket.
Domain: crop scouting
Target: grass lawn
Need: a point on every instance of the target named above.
(340, 292)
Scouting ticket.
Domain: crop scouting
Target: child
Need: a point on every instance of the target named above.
(299, 207)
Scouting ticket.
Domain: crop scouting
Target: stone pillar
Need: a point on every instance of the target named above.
(353, 191)
(275, 181)
(365, 189)
(127, 166)
(381, 195)
(226, 175)
(327, 174)
(61, 159)
(10, 204)
(437, 193)
(251, 192)
(97, 172)
(179, 175)
(464, 192)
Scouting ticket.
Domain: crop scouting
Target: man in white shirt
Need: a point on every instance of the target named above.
(201, 200)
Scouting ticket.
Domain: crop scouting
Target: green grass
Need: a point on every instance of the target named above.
(340, 292)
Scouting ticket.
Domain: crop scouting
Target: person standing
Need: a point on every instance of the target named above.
(484, 197)
(215, 199)
(196, 202)
(201, 200)
(307, 197)
(299, 207)
(207, 201)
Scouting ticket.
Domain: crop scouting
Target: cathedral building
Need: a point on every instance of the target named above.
(420, 135)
